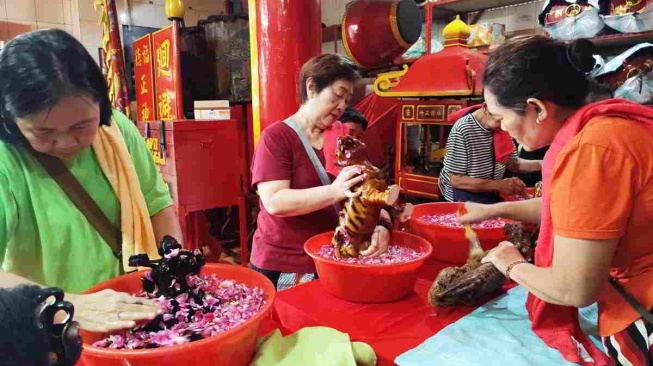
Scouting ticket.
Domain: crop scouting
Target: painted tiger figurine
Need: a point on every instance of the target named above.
(360, 215)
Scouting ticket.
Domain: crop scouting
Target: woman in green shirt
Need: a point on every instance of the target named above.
(54, 98)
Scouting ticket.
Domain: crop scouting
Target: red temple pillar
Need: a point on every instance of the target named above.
(283, 35)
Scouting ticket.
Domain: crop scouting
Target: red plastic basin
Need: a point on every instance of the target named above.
(449, 243)
(234, 347)
(530, 191)
(363, 283)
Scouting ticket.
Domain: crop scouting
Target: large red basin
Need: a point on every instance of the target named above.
(363, 283)
(234, 347)
(449, 243)
(530, 191)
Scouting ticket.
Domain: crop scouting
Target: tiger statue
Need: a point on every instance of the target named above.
(360, 215)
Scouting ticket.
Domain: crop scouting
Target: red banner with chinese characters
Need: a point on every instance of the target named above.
(168, 101)
(144, 79)
(116, 81)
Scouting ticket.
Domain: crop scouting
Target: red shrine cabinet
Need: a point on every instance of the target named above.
(202, 161)
(430, 90)
(422, 129)
(433, 87)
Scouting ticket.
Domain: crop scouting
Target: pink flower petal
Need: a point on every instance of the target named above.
(225, 305)
(451, 220)
(395, 254)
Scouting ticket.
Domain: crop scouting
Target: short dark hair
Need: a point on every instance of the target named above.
(599, 92)
(325, 70)
(353, 115)
(539, 67)
(37, 69)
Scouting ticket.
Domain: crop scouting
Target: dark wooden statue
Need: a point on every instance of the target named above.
(473, 282)
(168, 275)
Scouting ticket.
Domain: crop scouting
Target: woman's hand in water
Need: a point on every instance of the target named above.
(379, 243)
(108, 310)
(476, 213)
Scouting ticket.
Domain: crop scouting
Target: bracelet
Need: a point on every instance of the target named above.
(386, 224)
(511, 266)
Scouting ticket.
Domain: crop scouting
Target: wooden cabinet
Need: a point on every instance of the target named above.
(422, 130)
(202, 163)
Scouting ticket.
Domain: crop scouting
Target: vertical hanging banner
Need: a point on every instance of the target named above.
(144, 79)
(165, 80)
(114, 60)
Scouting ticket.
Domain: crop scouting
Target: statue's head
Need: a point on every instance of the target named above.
(348, 149)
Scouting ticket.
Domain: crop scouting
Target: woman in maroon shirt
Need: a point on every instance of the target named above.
(294, 204)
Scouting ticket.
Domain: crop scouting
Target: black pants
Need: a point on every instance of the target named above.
(461, 195)
(272, 275)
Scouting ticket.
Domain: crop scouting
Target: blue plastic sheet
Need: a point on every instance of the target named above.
(498, 333)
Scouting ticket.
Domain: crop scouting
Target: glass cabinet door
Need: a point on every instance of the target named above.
(423, 146)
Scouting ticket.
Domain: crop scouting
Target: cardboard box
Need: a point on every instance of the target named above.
(485, 34)
(212, 110)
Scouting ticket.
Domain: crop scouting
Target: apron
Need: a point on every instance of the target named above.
(556, 325)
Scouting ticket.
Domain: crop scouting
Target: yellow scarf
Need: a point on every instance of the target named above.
(116, 163)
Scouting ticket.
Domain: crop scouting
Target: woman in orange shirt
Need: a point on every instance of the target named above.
(596, 237)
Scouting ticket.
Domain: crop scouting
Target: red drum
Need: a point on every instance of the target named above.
(375, 32)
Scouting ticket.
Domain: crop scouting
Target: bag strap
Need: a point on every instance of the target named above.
(317, 164)
(81, 199)
(632, 301)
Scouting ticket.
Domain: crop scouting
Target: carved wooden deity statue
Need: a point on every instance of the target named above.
(168, 275)
(473, 282)
(360, 215)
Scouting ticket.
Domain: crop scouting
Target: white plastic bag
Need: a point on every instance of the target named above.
(587, 24)
(638, 89)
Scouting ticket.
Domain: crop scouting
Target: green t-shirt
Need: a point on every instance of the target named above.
(44, 237)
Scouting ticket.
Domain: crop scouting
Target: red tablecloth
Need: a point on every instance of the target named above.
(391, 329)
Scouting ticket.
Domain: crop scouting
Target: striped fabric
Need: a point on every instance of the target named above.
(469, 152)
(632, 346)
(289, 280)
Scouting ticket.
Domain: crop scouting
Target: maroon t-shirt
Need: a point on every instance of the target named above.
(278, 243)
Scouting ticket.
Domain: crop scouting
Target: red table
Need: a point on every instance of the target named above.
(391, 329)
